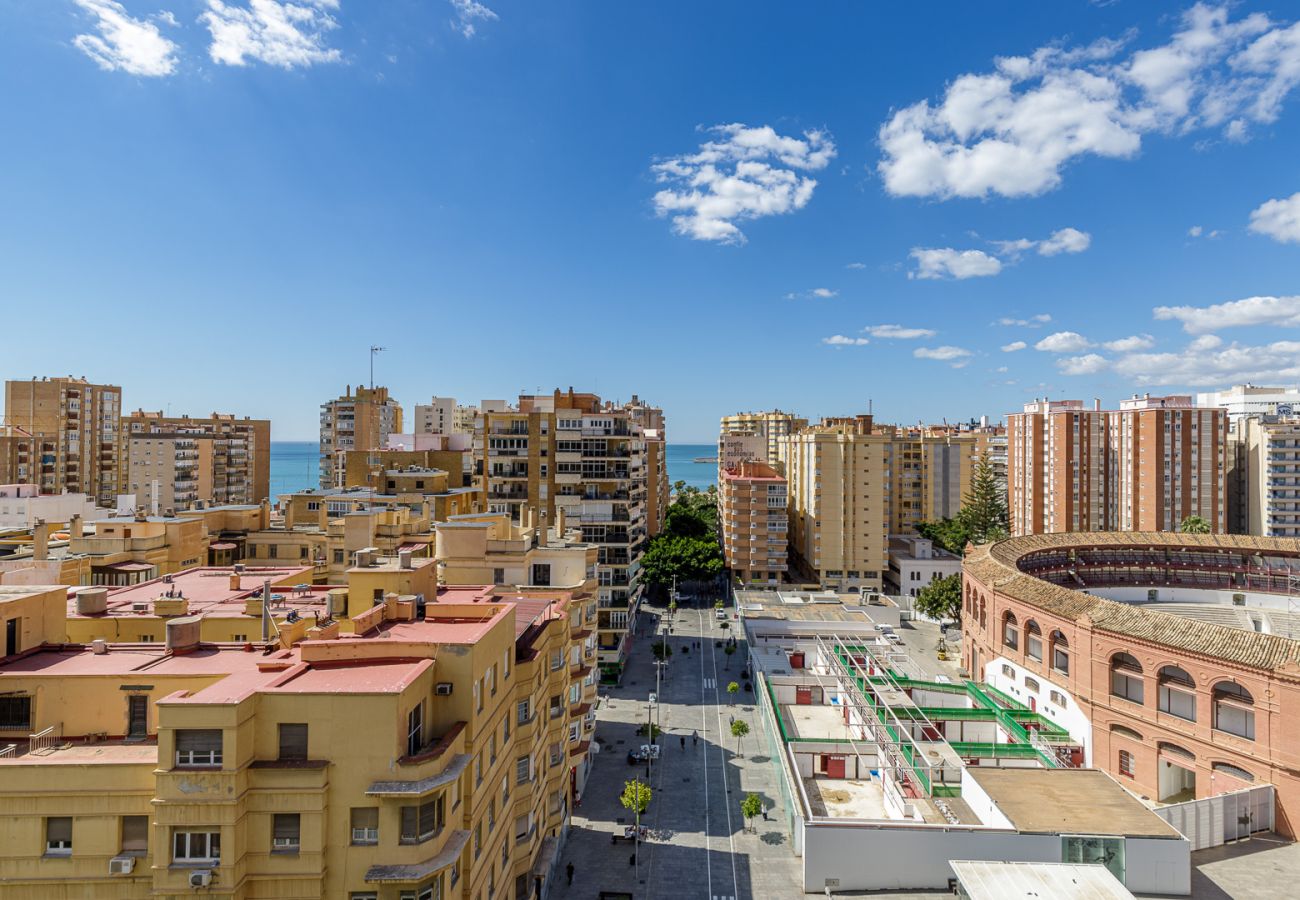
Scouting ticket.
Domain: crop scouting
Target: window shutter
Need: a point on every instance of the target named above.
(285, 827)
(135, 833)
(199, 740)
(293, 741)
(58, 830)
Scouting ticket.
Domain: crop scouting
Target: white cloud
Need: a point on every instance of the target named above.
(126, 44)
(1063, 342)
(1031, 322)
(288, 35)
(747, 173)
(1066, 240)
(820, 293)
(1001, 370)
(1014, 346)
(1201, 366)
(467, 13)
(945, 262)
(1195, 231)
(1206, 342)
(1278, 311)
(841, 340)
(944, 354)
(1131, 343)
(1279, 219)
(1013, 131)
(856, 265)
(824, 293)
(1088, 364)
(898, 332)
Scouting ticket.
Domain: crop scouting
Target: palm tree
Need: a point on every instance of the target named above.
(1194, 525)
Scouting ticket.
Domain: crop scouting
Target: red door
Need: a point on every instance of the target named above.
(1033, 703)
(803, 696)
(835, 767)
(846, 715)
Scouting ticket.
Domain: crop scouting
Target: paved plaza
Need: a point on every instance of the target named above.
(699, 847)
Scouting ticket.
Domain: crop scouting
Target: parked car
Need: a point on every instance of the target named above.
(720, 614)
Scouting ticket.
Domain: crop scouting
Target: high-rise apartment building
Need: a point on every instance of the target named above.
(1268, 484)
(1144, 467)
(74, 426)
(239, 470)
(772, 426)
(17, 455)
(572, 453)
(355, 421)
(438, 416)
(839, 488)
(1249, 400)
(752, 502)
(929, 474)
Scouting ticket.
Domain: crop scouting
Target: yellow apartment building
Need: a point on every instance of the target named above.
(752, 502)
(75, 435)
(420, 758)
(360, 420)
(773, 426)
(240, 465)
(370, 468)
(930, 472)
(488, 548)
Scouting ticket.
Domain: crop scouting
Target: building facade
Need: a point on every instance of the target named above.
(240, 451)
(438, 416)
(929, 475)
(773, 426)
(75, 435)
(752, 502)
(359, 420)
(1268, 478)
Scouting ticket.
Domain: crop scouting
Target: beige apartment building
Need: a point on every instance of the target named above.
(240, 469)
(75, 435)
(489, 548)
(773, 426)
(1144, 467)
(1269, 481)
(167, 472)
(573, 452)
(839, 487)
(359, 420)
(929, 475)
(752, 502)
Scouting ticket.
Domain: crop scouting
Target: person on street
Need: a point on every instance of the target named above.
(683, 742)
(695, 738)
(568, 871)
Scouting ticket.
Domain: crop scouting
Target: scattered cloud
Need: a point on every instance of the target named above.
(1088, 364)
(841, 340)
(285, 34)
(1032, 322)
(1206, 342)
(1205, 366)
(467, 13)
(744, 173)
(898, 332)
(943, 354)
(1063, 342)
(1014, 346)
(1001, 370)
(946, 262)
(126, 44)
(1197, 231)
(1277, 311)
(1065, 240)
(856, 265)
(820, 293)
(1013, 131)
(1278, 219)
(1131, 343)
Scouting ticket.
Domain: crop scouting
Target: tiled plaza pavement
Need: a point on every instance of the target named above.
(700, 848)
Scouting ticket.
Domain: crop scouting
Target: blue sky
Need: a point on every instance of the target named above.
(718, 206)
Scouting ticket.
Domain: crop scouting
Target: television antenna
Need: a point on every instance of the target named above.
(373, 350)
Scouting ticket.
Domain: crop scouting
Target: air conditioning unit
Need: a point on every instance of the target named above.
(200, 878)
(442, 688)
(121, 865)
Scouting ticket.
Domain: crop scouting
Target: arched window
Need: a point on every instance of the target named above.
(1176, 693)
(1033, 641)
(1234, 710)
(1126, 677)
(1032, 684)
(1175, 750)
(1229, 769)
(1010, 638)
(1060, 653)
(984, 620)
(1125, 732)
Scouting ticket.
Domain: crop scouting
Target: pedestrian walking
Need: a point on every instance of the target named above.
(683, 741)
(695, 738)
(568, 871)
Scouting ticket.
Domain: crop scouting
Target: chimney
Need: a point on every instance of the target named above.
(74, 527)
(404, 558)
(1096, 404)
(92, 601)
(323, 516)
(41, 541)
(183, 633)
(234, 581)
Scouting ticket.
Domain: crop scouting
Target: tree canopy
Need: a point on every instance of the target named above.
(635, 796)
(983, 514)
(941, 598)
(1194, 525)
(688, 548)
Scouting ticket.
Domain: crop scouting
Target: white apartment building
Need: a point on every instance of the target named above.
(21, 505)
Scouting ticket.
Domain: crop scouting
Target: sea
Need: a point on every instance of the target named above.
(295, 465)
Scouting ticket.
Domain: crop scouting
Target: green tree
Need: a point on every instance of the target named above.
(941, 598)
(984, 508)
(717, 604)
(636, 796)
(686, 559)
(683, 521)
(732, 690)
(661, 650)
(751, 807)
(679, 486)
(950, 534)
(729, 649)
(1194, 525)
(738, 730)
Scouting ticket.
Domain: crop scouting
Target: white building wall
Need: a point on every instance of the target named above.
(1070, 717)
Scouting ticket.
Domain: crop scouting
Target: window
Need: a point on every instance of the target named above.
(1009, 636)
(15, 713)
(478, 840)
(198, 747)
(1175, 750)
(1176, 693)
(1229, 769)
(492, 748)
(135, 835)
(523, 769)
(491, 677)
(523, 827)
(492, 814)
(419, 823)
(286, 828)
(293, 740)
(1126, 677)
(1031, 684)
(196, 846)
(1008, 672)
(365, 825)
(498, 576)
(505, 730)
(1033, 641)
(1060, 653)
(505, 664)
(415, 730)
(1126, 763)
(1058, 698)
(557, 659)
(1124, 732)
(58, 836)
(556, 708)
(1234, 710)
(478, 770)
(523, 712)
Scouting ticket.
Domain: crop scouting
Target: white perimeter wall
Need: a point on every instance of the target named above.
(1071, 717)
(1190, 595)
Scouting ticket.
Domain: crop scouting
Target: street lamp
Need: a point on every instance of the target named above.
(651, 704)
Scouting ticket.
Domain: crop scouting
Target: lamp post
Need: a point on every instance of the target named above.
(649, 730)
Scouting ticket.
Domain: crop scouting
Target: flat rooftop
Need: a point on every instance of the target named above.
(983, 880)
(815, 722)
(212, 592)
(1068, 801)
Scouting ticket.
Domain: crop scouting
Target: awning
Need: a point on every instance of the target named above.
(416, 788)
(419, 871)
(545, 856)
(222, 545)
(412, 547)
(130, 567)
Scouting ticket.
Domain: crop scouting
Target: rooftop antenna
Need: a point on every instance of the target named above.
(373, 351)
